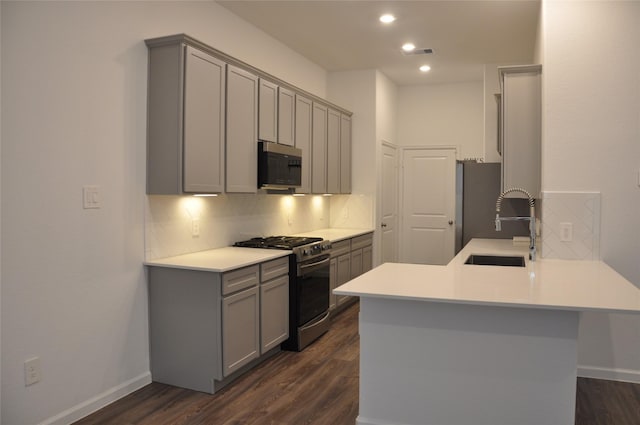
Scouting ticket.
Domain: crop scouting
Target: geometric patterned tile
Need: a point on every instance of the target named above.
(582, 209)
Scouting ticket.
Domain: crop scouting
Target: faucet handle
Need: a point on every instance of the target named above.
(498, 224)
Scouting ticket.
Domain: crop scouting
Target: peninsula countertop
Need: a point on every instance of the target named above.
(543, 284)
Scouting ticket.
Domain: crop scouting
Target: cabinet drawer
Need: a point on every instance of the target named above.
(240, 279)
(362, 241)
(274, 268)
(339, 248)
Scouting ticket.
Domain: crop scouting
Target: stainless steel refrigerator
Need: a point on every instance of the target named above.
(477, 189)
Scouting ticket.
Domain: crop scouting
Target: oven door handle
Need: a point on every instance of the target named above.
(305, 267)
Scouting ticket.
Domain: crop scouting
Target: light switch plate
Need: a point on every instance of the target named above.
(91, 197)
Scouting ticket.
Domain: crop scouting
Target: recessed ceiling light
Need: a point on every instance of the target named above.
(425, 68)
(387, 18)
(408, 47)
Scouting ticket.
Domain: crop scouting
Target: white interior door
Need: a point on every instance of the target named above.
(389, 196)
(428, 206)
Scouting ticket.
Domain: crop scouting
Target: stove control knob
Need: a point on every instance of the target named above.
(306, 251)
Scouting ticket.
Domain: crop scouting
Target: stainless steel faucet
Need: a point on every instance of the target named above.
(531, 218)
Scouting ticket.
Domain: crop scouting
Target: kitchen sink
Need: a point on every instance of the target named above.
(495, 260)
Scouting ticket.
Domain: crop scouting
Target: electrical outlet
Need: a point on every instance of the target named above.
(32, 371)
(195, 227)
(566, 232)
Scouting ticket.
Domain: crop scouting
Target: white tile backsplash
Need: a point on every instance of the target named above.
(352, 211)
(226, 219)
(582, 210)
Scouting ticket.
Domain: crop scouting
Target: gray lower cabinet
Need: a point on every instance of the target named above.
(186, 120)
(274, 313)
(206, 327)
(240, 329)
(333, 282)
(242, 131)
(340, 268)
(367, 258)
(350, 258)
(274, 303)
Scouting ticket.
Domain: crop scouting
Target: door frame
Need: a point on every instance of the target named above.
(376, 224)
(400, 209)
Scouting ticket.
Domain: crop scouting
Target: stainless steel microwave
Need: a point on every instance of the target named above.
(279, 166)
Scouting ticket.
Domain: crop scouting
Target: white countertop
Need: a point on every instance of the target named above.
(545, 283)
(230, 258)
(220, 259)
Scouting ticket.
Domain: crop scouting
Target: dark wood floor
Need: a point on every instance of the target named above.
(317, 386)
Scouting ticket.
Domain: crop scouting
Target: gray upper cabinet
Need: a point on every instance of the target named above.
(345, 153)
(333, 151)
(319, 149)
(207, 111)
(186, 120)
(303, 134)
(242, 131)
(286, 116)
(268, 111)
(521, 128)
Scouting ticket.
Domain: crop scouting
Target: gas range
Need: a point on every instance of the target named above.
(304, 248)
(309, 285)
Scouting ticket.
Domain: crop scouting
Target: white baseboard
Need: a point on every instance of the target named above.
(98, 402)
(624, 375)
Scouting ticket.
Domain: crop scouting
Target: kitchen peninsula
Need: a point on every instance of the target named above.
(472, 344)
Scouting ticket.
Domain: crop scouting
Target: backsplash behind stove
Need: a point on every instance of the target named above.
(229, 218)
(226, 219)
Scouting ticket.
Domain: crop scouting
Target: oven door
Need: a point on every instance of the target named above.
(313, 289)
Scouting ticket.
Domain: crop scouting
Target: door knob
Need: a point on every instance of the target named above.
(450, 222)
(383, 225)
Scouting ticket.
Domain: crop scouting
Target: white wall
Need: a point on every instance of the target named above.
(443, 114)
(74, 113)
(591, 142)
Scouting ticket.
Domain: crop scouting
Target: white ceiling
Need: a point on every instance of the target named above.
(347, 35)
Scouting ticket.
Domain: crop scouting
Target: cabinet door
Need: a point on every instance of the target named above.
(367, 258)
(345, 154)
(274, 313)
(240, 329)
(356, 263)
(242, 131)
(333, 151)
(303, 132)
(333, 282)
(267, 113)
(286, 108)
(204, 120)
(319, 149)
(343, 274)
(521, 129)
